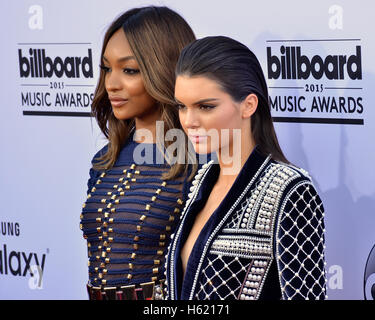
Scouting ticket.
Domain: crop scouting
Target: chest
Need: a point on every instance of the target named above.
(217, 195)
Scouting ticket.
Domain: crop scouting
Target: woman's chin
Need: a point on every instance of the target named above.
(202, 149)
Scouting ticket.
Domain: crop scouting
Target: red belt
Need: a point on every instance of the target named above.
(145, 291)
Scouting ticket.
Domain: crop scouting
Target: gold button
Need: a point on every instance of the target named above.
(124, 171)
(148, 207)
(132, 166)
(171, 218)
(100, 209)
(130, 276)
(133, 255)
(121, 179)
(98, 219)
(115, 186)
(158, 191)
(108, 250)
(122, 193)
(139, 228)
(160, 252)
(113, 197)
(109, 193)
(168, 228)
(98, 229)
(89, 196)
(107, 260)
(110, 220)
(156, 261)
(135, 246)
(164, 184)
(161, 244)
(153, 198)
(81, 226)
(117, 201)
(155, 270)
(109, 205)
(162, 237)
(99, 181)
(93, 189)
(113, 210)
(130, 266)
(136, 238)
(176, 210)
(143, 217)
(179, 201)
(84, 205)
(136, 172)
(154, 278)
(103, 200)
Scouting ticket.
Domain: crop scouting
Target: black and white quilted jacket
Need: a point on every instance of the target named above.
(264, 241)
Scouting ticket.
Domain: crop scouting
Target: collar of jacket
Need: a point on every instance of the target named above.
(183, 285)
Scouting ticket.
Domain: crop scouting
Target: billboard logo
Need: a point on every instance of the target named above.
(37, 65)
(292, 64)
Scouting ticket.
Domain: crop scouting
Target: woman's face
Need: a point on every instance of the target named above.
(123, 80)
(207, 113)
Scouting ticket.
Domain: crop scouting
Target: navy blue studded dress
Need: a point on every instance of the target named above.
(127, 219)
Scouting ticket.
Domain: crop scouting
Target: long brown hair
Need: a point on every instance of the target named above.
(156, 36)
(232, 65)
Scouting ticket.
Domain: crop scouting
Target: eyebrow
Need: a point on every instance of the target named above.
(200, 101)
(123, 59)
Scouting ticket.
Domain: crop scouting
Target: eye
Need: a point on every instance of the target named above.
(130, 71)
(104, 68)
(206, 107)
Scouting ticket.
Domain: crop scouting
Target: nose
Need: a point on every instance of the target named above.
(112, 82)
(189, 119)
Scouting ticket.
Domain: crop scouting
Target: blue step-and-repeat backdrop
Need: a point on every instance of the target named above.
(318, 58)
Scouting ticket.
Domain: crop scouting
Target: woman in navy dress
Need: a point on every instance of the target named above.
(135, 195)
(253, 226)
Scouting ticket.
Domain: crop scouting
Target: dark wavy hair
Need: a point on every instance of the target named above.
(238, 72)
(156, 36)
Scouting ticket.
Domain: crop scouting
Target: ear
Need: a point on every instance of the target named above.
(249, 105)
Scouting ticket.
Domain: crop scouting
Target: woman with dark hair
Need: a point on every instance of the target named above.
(252, 231)
(132, 206)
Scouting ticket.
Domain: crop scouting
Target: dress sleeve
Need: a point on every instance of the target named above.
(94, 174)
(300, 244)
